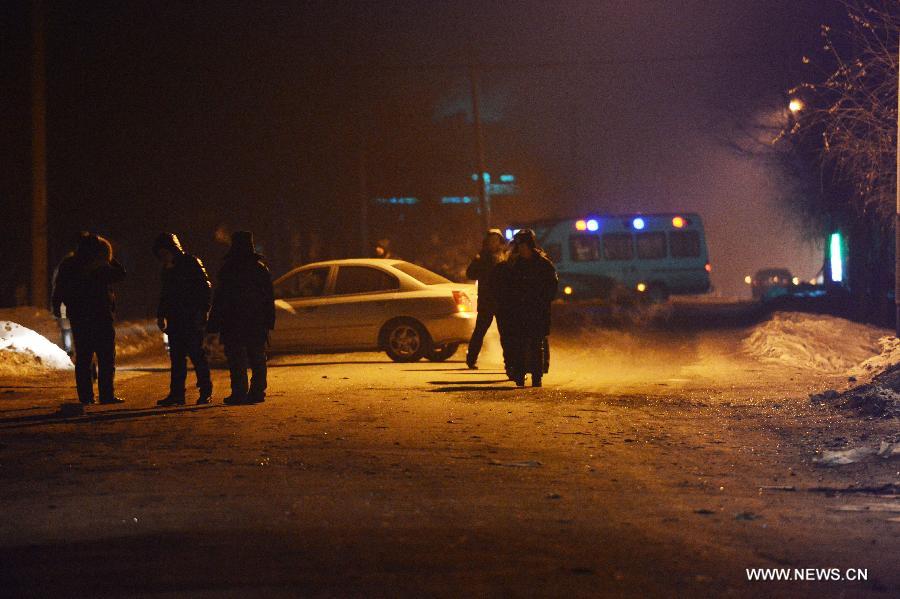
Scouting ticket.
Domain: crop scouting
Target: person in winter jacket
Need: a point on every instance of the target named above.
(526, 283)
(184, 302)
(243, 313)
(82, 285)
(480, 269)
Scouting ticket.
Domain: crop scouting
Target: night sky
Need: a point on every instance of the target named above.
(223, 115)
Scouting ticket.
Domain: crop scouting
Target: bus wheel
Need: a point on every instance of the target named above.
(656, 293)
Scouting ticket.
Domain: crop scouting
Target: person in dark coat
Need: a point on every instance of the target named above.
(184, 302)
(243, 313)
(480, 268)
(526, 283)
(82, 284)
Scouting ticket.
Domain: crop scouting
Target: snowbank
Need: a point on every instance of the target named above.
(30, 341)
(887, 357)
(24, 351)
(39, 320)
(813, 341)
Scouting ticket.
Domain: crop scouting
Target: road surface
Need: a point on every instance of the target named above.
(651, 464)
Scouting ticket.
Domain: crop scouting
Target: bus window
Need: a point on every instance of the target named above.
(554, 251)
(618, 246)
(651, 246)
(684, 244)
(584, 248)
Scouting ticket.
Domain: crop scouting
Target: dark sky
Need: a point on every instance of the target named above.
(189, 116)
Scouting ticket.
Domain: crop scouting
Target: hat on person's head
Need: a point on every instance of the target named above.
(525, 236)
(169, 242)
(242, 243)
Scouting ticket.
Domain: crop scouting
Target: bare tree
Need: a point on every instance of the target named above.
(853, 107)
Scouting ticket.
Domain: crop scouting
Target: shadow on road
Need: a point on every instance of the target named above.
(463, 388)
(468, 382)
(65, 416)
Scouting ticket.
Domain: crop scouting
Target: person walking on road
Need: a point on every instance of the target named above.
(184, 302)
(526, 284)
(243, 313)
(82, 285)
(480, 269)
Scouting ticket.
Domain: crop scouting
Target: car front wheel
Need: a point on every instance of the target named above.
(406, 341)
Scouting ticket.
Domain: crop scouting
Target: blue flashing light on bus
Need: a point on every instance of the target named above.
(593, 225)
(638, 223)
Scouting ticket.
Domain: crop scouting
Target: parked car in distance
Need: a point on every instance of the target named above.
(372, 304)
(769, 283)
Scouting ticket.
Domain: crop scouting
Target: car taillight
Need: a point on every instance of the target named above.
(462, 301)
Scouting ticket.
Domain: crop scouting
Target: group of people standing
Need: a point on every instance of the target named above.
(241, 310)
(516, 285)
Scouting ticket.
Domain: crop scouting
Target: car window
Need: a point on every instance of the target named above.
(364, 279)
(618, 246)
(584, 248)
(684, 244)
(651, 246)
(305, 283)
(423, 275)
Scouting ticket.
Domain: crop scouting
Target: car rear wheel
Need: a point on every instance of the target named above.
(406, 341)
(443, 352)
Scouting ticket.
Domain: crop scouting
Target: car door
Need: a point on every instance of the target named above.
(360, 304)
(300, 297)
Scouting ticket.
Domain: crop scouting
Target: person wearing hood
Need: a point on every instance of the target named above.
(480, 269)
(526, 285)
(82, 285)
(184, 302)
(243, 313)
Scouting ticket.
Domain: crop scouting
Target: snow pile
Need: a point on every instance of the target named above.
(889, 355)
(24, 351)
(812, 341)
(39, 320)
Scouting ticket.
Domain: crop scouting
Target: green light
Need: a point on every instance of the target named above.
(836, 258)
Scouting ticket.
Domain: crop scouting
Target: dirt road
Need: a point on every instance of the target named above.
(650, 466)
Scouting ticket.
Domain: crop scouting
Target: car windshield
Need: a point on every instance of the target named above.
(423, 275)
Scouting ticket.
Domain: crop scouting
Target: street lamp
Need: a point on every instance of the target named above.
(795, 105)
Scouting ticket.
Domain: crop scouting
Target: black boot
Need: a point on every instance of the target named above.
(205, 397)
(171, 400)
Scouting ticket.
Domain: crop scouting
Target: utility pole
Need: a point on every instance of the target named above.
(363, 189)
(897, 219)
(484, 197)
(39, 267)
